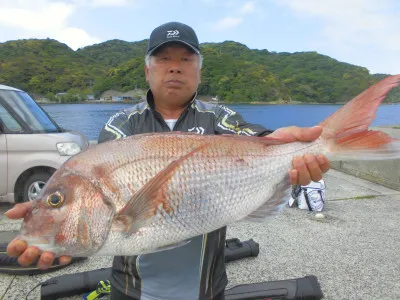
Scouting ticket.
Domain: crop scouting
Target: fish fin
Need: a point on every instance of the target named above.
(169, 247)
(273, 204)
(346, 130)
(143, 206)
(368, 145)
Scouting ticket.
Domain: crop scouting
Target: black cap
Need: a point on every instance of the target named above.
(173, 32)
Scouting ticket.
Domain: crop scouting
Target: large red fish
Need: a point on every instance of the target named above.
(148, 192)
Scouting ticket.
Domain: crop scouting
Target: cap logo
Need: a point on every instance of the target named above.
(172, 33)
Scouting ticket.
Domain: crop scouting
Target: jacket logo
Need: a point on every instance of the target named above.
(172, 33)
(198, 130)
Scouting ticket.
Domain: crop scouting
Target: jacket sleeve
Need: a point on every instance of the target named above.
(118, 126)
(228, 121)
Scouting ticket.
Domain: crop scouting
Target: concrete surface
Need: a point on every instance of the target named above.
(386, 173)
(354, 250)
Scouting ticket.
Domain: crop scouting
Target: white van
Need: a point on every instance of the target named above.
(32, 146)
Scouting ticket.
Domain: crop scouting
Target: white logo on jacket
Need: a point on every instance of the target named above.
(198, 130)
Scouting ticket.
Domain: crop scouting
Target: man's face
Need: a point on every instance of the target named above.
(173, 73)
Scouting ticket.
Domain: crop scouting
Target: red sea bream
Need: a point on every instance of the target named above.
(149, 192)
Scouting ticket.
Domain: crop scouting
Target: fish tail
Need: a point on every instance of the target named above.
(346, 132)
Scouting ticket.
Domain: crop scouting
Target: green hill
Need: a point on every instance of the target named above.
(46, 66)
(231, 70)
(114, 52)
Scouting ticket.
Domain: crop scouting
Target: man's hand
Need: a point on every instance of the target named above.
(308, 167)
(28, 255)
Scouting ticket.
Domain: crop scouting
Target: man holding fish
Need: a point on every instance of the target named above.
(188, 268)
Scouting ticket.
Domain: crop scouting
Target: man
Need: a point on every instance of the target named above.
(195, 270)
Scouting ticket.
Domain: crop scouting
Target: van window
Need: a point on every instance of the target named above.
(8, 120)
(27, 109)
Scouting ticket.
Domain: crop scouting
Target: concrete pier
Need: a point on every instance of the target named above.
(353, 251)
(386, 173)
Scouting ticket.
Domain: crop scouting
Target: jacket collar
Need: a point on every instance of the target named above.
(150, 99)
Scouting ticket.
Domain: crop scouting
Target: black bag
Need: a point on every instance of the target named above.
(235, 249)
(305, 288)
(75, 284)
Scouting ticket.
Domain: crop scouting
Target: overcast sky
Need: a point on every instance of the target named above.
(361, 32)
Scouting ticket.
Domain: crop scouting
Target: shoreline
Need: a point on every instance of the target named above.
(255, 103)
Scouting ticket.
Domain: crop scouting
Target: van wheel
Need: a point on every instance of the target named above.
(34, 185)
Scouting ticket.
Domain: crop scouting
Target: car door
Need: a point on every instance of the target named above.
(7, 124)
(3, 158)
(3, 163)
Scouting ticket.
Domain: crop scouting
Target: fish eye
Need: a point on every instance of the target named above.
(55, 200)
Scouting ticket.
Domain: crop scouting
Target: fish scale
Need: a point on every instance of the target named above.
(205, 209)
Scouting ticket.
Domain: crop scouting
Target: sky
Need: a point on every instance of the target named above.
(360, 32)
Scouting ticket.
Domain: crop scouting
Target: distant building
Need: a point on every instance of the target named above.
(60, 95)
(129, 96)
(110, 95)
